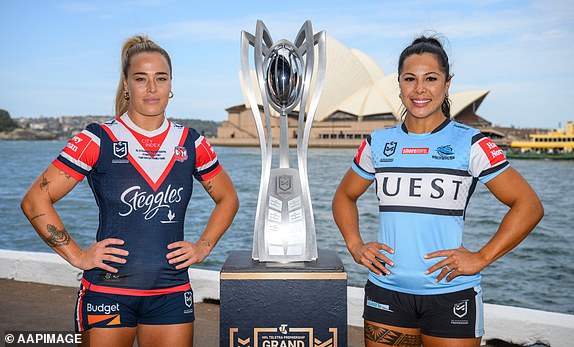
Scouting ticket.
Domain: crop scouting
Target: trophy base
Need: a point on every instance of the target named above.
(304, 304)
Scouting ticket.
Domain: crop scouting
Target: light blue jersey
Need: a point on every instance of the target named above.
(424, 183)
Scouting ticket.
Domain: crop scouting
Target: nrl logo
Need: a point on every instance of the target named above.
(188, 298)
(120, 149)
(390, 148)
(460, 309)
(284, 184)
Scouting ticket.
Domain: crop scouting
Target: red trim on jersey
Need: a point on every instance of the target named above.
(134, 292)
(212, 174)
(154, 185)
(206, 154)
(494, 154)
(150, 144)
(360, 151)
(68, 170)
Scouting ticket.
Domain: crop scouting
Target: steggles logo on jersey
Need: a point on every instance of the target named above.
(137, 199)
(120, 149)
(444, 153)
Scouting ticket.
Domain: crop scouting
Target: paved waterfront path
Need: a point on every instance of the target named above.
(34, 306)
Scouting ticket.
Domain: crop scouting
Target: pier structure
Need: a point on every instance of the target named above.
(512, 324)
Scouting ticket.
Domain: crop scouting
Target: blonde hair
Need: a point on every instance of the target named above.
(133, 46)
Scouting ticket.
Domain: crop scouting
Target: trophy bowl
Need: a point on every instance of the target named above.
(284, 76)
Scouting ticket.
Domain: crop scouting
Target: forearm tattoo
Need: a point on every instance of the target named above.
(37, 216)
(56, 238)
(390, 337)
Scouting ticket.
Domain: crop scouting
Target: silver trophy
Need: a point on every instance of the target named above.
(284, 223)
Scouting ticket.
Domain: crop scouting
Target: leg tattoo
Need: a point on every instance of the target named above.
(390, 337)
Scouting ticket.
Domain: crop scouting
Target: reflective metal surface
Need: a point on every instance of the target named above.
(284, 223)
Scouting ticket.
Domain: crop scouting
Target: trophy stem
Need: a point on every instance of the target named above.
(283, 140)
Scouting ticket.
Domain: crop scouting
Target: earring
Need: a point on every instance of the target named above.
(170, 94)
(126, 95)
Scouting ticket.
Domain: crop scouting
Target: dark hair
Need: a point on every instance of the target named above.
(426, 44)
(133, 46)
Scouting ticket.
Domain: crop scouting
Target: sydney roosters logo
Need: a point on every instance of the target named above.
(149, 204)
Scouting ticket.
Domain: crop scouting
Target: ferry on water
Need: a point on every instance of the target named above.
(558, 144)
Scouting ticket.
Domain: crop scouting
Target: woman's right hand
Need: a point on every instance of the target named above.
(369, 255)
(98, 252)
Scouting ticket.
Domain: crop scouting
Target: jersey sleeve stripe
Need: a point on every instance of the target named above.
(77, 162)
(359, 171)
(210, 173)
(208, 165)
(494, 169)
(477, 138)
(67, 168)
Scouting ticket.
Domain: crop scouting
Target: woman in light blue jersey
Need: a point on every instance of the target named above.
(423, 285)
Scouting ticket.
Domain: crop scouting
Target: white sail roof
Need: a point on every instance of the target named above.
(356, 84)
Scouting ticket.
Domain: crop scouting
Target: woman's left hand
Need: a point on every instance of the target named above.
(187, 253)
(457, 262)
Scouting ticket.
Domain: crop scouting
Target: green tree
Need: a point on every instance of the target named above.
(6, 123)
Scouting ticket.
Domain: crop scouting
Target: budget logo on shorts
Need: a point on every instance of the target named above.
(460, 309)
(120, 149)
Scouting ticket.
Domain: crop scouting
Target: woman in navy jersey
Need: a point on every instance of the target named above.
(423, 285)
(140, 167)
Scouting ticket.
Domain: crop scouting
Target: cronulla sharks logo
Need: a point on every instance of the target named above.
(149, 204)
(444, 153)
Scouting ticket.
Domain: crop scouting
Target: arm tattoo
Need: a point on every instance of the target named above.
(57, 237)
(45, 185)
(208, 187)
(37, 216)
(64, 174)
(390, 337)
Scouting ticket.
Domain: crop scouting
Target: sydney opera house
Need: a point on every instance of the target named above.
(357, 98)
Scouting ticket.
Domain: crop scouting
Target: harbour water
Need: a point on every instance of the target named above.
(538, 274)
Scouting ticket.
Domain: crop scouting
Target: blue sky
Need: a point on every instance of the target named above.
(62, 57)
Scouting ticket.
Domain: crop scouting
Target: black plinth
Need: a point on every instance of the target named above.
(283, 305)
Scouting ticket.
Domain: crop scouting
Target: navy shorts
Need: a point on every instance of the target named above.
(96, 309)
(451, 315)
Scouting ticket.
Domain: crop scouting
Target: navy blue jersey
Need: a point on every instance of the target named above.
(142, 182)
(423, 184)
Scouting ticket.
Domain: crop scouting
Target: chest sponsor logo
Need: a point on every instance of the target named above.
(415, 151)
(444, 153)
(422, 190)
(120, 149)
(149, 204)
